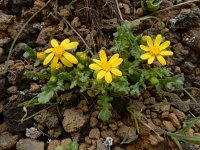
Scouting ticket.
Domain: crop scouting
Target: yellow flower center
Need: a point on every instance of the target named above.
(155, 50)
(106, 66)
(59, 51)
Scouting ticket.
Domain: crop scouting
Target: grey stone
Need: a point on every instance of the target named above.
(8, 140)
(73, 120)
(29, 144)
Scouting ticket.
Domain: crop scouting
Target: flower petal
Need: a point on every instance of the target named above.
(144, 48)
(70, 58)
(95, 67)
(66, 62)
(97, 61)
(149, 41)
(49, 50)
(145, 56)
(164, 45)
(65, 42)
(48, 58)
(70, 45)
(103, 56)
(108, 77)
(158, 40)
(116, 72)
(101, 74)
(54, 62)
(161, 60)
(117, 62)
(151, 59)
(54, 43)
(166, 53)
(113, 58)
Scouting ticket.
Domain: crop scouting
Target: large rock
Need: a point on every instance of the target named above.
(94, 134)
(73, 120)
(47, 118)
(29, 144)
(192, 38)
(7, 140)
(45, 33)
(122, 131)
(5, 21)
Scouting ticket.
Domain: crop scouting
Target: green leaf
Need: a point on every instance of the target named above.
(59, 147)
(185, 138)
(135, 89)
(29, 52)
(72, 146)
(187, 124)
(105, 107)
(26, 55)
(73, 84)
(60, 85)
(127, 139)
(37, 62)
(31, 74)
(47, 93)
(64, 76)
(151, 5)
(67, 86)
(105, 113)
(125, 42)
(170, 83)
(120, 86)
(159, 72)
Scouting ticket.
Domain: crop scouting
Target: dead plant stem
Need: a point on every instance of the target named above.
(76, 32)
(173, 7)
(119, 11)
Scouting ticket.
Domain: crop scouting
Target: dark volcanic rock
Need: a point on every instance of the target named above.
(184, 21)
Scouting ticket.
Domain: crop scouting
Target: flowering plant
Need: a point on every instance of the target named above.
(120, 80)
(106, 68)
(58, 53)
(155, 50)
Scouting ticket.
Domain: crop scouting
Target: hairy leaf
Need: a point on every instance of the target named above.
(72, 146)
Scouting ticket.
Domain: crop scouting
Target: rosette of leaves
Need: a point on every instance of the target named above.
(151, 5)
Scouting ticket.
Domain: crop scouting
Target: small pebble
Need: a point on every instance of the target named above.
(156, 122)
(139, 12)
(150, 100)
(154, 115)
(153, 140)
(12, 98)
(113, 127)
(165, 114)
(169, 126)
(190, 132)
(12, 90)
(174, 120)
(94, 133)
(93, 122)
(88, 140)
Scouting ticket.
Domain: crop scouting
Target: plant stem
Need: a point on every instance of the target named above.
(119, 11)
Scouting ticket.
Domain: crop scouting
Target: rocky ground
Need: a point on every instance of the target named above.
(95, 21)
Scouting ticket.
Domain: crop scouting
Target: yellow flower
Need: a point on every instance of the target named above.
(105, 67)
(58, 66)
(58, 53)
(155, 50)
(41, 56)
